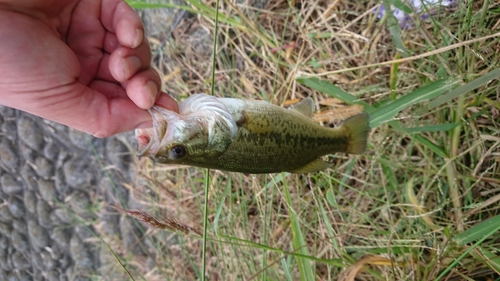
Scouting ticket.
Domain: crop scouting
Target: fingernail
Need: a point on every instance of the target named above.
(131, 64)
(152, 91)
(139, 35)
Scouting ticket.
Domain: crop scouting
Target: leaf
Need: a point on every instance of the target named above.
(479, 231)
(299, 243)
(472, 85)
(387, 112)
(395, 30)
(330, 197)
(432, 128)
(146, 5)
(488, 258)
(430, 145)
(220, 206)
(400, 5)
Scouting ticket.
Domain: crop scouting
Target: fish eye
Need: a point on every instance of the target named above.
(178, 152)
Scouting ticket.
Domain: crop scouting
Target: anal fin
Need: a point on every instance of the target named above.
(314, 166)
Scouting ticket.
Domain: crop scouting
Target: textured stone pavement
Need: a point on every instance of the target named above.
(57, 185)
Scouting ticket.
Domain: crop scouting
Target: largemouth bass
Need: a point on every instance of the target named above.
(247, 136)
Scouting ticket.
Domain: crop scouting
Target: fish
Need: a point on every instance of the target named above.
(247, 136)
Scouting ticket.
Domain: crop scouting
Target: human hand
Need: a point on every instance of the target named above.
(82, 63)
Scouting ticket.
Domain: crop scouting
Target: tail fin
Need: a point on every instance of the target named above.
(358, 128)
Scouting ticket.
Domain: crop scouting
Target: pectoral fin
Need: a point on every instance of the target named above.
(314, 166)
(305, 107)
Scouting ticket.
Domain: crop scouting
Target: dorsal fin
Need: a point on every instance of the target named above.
(305, 106)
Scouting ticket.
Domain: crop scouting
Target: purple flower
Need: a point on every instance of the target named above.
(405, 21)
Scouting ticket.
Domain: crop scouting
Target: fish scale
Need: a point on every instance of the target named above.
(248, 136)
(294, 141)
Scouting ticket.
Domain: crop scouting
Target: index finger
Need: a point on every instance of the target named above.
(118, 17)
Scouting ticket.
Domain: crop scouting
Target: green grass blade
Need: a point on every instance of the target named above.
(205, 226)
(221, 205)
(286, 269)
(299, 243)
(117, 258)
(488, 258)
(474, 84)
(433, 128)
(479, 231)
(207, 171)
(400, 5)
(388, 111)
(248, 243)
(394, 28)
(430, 145)
(146, 5)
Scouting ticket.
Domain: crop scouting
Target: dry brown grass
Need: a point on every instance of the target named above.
(383, 216)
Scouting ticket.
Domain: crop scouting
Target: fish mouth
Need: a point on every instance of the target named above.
(149, 139)
(145, 140)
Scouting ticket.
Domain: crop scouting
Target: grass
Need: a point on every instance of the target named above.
(420, 204)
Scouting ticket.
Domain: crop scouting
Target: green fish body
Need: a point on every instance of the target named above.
(247, 136)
